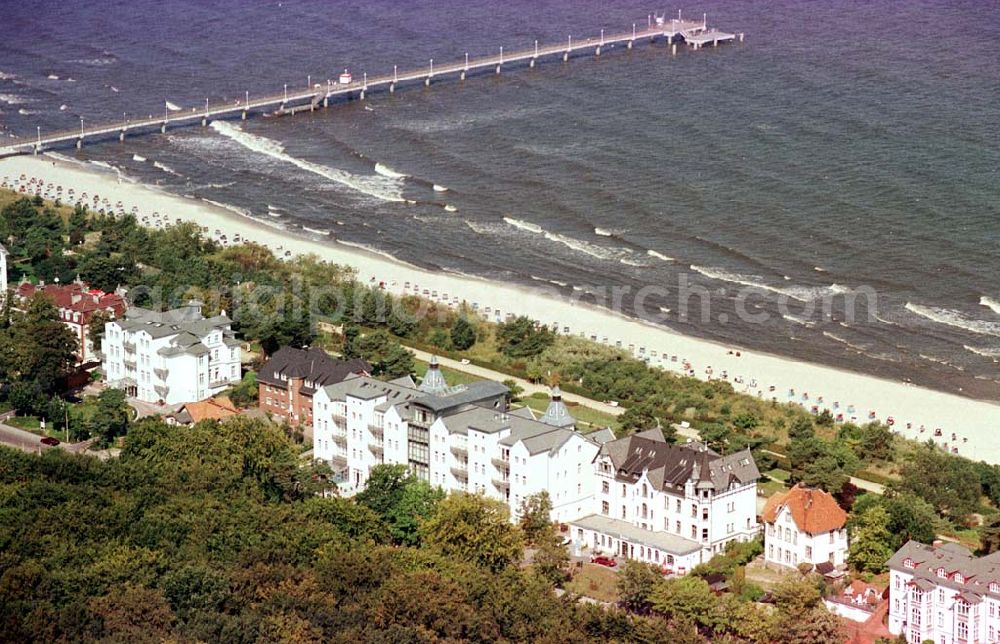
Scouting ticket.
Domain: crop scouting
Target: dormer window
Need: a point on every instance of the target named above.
(994, 587)
(959, 578)
(941, 573)
(908, 563)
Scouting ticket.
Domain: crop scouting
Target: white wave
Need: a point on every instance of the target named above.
(986, 352)
(316, 231)
(52, 77)
(664, 309)
(24, 112)
(173, 107)
(94, 61)
(7, 76)
(954, 319)
(548, 281)
(990, 303)
(798, 320)
(114, 89)
(525, 225)
(231, 208)
(632, 262)
(800, 293)
(602, 232)
(386, 189)
(841, 340)
(14, 99)
(369, 249)
(65, 159)
(62, 108)
(165, 168)
(140, 159)
(438, 188)
(450, 208)
(477, 228)
(819, 269)
(108, 166)
(661, 256)
(593, 250)
(386, 171)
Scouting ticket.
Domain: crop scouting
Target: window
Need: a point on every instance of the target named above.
(809, 553)
(623, 490)
(678, 530)
(963, 608)
(605, 487)
(994, 587)
(694, 532)
(941, 573)
(678, 506)
(604, 508)
(959, 578)
(623, 512)
(831, 536)
(962, 631)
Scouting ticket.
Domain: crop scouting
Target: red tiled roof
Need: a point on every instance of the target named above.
(215, 408)
(814, 511)
(76, 298)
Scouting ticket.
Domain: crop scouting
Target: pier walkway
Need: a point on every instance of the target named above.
(694, 33)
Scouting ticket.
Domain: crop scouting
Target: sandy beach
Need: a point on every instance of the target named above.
(968, 427)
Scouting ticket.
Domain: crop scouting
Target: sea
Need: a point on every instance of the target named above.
(845, 151)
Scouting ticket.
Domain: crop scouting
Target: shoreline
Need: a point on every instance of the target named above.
(749, 371)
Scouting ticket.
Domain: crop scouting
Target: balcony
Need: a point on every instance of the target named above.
(500, 464)
(338, 462)
(376, 449)
(161, 373)
(129, 346)
(340, 439)
(376, 431)
(161, 390)
(501, 484)
(460, 473)
(460, 451)
(339, 417)
(130, 362)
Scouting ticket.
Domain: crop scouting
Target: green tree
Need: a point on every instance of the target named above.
(910, 517)
(688, 599)
(475, 529)
(871, 540)
(989, 536)
(801, 429)
(551, 559)
(639, 417)
(401, 499)
(536, 511)
(463, 334)
(949, 483)
(111, 418)
(516, 390)
(522, 338)
(386, 356)
(636, 581)
(44, 349)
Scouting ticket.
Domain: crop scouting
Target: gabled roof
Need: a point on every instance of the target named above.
(669, 467)
(977, 572)
(313, 365)
(814, 511)
(474, 392)
(214, 408)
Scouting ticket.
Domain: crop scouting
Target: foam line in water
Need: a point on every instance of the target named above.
(386, 171)
(384, 188)
(954, 319)
(800, 293)
(990, 303)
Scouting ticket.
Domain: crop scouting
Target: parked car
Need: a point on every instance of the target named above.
(48, 440)
(604, 561)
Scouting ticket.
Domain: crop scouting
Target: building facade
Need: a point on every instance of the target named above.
(669, 505)
(804, 525)
(171, 357)
(287, 381)
(77, 305)
(456, 438)
(944, 594)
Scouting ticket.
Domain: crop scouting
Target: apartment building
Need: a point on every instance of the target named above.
(461, 438)
(287, 381)
(674, 506)
(944, 594)
(171, 357)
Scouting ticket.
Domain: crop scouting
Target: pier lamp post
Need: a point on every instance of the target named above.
(39, 129)
(394, 79)
(432, 67)
(81, 127)
(246, 100)
(466, 61)
(286, 94)
(536, 49)
(501, 54)
(364, 82)
(309, 81)
(602, 37)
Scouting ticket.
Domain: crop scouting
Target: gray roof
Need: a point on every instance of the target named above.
(557, 414)
(472, 393)
(662, 541)
(602, 436)
(978, 572)
(367, 388)
(161, 324)
(669, 466)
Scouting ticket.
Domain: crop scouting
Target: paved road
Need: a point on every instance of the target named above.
(22, 440)
(529, 387)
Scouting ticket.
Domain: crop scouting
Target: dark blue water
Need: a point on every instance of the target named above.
(843, 145)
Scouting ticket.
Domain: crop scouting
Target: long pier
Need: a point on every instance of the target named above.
(695, 34)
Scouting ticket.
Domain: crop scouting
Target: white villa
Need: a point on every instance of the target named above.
(457, 438)
(171, 357)
(804, 525)
(944, 594)
(674, 506)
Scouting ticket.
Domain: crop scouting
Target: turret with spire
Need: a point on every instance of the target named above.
(557, 414)
(433, 382)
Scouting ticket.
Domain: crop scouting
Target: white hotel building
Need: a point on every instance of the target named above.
(170, 357)
(674, 506)
(457, 438)
(944, 594)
